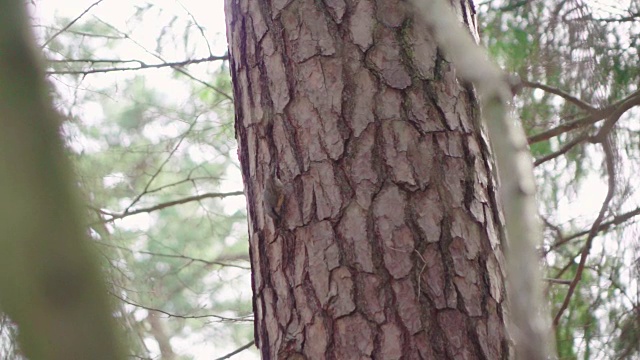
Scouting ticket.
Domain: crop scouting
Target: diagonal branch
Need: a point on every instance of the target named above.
(617, 220)
(570, 98)
(238, 350)
(70, 24)
(200, 27)
(610, 164)
(513, 158)
(568, 126)
(568, 146)
(169, 204)
(153, 177)
(604, 226)
(633, 100)
(598, 115)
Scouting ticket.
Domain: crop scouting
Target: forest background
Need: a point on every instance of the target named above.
(146, 96)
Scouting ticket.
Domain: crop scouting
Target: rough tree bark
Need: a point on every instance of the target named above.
(387, 245)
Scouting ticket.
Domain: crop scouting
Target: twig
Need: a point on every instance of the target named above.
(613, 118)
(617, 220)
(166, 160)
(610, 164)
(221, 318)
(178, 69)
(142, 65)
(568, 126)
(206, 41)
(632, 17)
(176, 183)
(168, 204)
(570, 98)
(621, 106)
(70, 24)
(176, 256)
(568, 146)
(557, 281)
(240, 349)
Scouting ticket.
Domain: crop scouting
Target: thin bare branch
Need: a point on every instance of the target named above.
(613, 118)
(632, 17)
(622, 106)
(557, 281)
(570, 98)
(81, 33)
(566, 267)
(141, 66)
(237, 351)
(617, 220)
(176, 183)
(180, 256)
(185, 73)
(568, 126)
(206, 41)
(246, 318)
(610, 165)
(153, 177)
(70, 24)
(568, 146)
(176, 68)
(169, 204)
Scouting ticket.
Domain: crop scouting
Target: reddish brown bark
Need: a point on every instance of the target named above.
(387, 245)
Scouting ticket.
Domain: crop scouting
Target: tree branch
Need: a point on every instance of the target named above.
(632, 17)
(176, 68)
(70, 24)
(142, 65)
(598, 115)
(612, 119)
(153, 177)
(570, 98)
(568, 146)
(617, 220)
(185, 257)
(239, 350)
(610, 164)
(557, 281)
(604, 226)
(221, 318)
(195, 21)
(168, 204)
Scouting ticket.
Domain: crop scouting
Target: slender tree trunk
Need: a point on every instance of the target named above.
(159, 333)
(387, 244)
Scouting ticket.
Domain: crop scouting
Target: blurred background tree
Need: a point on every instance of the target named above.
(155, 155)
(145, 92)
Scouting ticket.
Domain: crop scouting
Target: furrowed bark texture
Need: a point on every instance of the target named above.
(388, 242)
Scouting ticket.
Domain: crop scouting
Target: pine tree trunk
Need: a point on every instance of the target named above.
(387, 244)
